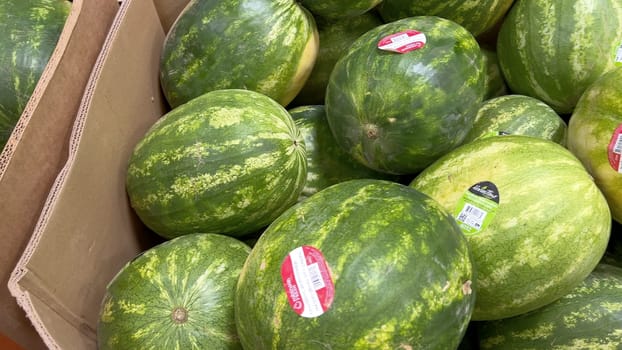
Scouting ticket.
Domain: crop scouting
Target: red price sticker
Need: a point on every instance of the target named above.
(307, 281)
(614, 150)
(403, 42)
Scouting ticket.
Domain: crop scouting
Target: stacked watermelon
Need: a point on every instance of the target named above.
(30, 30)
(404, 180)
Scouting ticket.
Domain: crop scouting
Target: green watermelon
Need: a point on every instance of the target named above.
(477, 16)
(176, 295)
(535, 221)
(339, 9)
(363, 264)
(229, 161)
(335, 38)
(589, 317)
(553, 50)
(520, 115)
(594, 132)
(327, 163)
(495, 83)
(265, 46)
(30, 31)
(398, 112)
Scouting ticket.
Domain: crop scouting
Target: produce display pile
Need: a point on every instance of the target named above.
(379, 175)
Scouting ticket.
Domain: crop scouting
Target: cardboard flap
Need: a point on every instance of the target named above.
(38, 146)
(87, 230)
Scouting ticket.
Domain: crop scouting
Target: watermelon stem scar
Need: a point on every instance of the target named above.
(179, 315)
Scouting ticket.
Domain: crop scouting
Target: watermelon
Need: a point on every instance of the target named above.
(327, 163)
(535, 221)
(261, 45)
(339, 9)
(363, 264)
(477, 16)
(495, 83)
(520, 115)
(589, 317)
(335, 38)
(594, 132)
(31, 29)
(553, 50)
(176, 295)
(398, 112)
(229, 162)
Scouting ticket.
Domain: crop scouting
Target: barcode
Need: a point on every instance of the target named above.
(619, 54)
(617, 148)
(315, 276)
(472, 216)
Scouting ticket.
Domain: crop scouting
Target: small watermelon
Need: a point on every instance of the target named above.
(339, 9)
(327, 163)
(495, 83)
(261, 45)
(229, 161)
(477, 16)
(589, 317)
(553, 50)
(535, 221)
(398, 111)
(30, 31)
(363, 264)
(176, 295)
(518, 115)
(594, 136)
(335, 38)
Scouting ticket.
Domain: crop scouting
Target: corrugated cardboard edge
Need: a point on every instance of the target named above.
(32, 282)
(25, 178)
(23, 297)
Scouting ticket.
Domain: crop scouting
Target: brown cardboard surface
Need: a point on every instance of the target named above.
(38, 147)
(87, 230)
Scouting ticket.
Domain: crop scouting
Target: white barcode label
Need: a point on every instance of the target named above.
(472, 216)
(315, 275)
(617, 147)
(619, 54)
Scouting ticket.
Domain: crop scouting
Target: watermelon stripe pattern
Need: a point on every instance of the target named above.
(553, 50)
(477, 16)
(547, 203)
(264, 46)
(400, 267)
(229, 162)
(176, 295)
(30, 30)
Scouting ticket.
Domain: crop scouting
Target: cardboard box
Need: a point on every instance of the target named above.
(87, 230)
(38, 147)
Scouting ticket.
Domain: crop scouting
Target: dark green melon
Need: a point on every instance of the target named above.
(495, 83)
(335, 38)
(30, 31)
(176, 295)
(339, 9)
(477, 16)
(589, 317)
(229, 161)
(327, 163)
(398, 112)
(267, 46)
(518, 115)
(387, 269)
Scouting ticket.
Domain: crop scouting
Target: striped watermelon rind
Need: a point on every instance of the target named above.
(397, 113)
(476, 16)
(518, 115)
(229, 161)
(590, 131)
(176, 295)
(399, 265)
(31, 29)
(550, 229)
(216, 45)
(589, 317)
(553, 50)
(339, 9)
